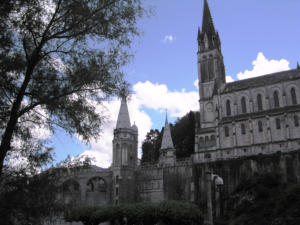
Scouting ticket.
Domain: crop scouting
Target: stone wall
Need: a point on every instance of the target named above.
(236, 170)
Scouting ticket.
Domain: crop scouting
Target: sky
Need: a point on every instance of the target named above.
(258, 37)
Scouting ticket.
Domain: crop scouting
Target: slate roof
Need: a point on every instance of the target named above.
(262, 80)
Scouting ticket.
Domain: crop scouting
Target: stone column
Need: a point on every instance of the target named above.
(209, 219)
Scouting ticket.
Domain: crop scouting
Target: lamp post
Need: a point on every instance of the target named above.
(218, 181)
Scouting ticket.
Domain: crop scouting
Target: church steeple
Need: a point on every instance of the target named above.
(123, 117)
(211, 69)
(167, 142)
(208, 38)
(207, 22)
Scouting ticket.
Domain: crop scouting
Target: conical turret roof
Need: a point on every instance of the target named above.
(167, 138)
(123, 117)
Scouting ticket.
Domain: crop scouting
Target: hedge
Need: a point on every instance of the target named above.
(166, 212)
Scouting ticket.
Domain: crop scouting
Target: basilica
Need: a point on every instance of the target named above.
(247, 122)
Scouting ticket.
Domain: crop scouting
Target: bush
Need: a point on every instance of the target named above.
(167, 212)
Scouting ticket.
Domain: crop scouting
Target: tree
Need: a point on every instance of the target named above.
(59, 58)
(151, 146)
(183, 135)
(28, 199)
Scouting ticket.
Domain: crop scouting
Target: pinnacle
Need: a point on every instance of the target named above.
(167, 142)
(123, 117)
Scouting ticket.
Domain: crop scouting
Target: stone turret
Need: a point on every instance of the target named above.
(125, 145)
(167, 150)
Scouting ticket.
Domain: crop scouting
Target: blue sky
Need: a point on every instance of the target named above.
(164, 68)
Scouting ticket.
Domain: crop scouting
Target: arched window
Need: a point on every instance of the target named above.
(201, 142)
(226, 131)
(278, 126)
(228, 108)
(259, 103)
(71, 192)
(243, 129)
(294, 97)
(212, 140)
(206, 140)
(260, 126)
(276, 99)
(296, 121)
(96, 184)
(243, 103)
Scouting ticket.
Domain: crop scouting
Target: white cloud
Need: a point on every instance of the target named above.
(158, 97)
(262, 66)
(229, 79)
(169, 39)
(196, 83)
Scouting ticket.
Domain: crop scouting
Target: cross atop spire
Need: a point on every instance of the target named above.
(167, 142)
(123, 117)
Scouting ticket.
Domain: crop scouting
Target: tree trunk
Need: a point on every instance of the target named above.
(13, 119)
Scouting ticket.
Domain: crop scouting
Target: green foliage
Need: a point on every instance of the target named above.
(151, 146)
(59, 59)
(28, 199)
(183, 135)
(263, 199)
(168, 213)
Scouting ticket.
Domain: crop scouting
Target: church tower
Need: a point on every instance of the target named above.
(167, 150)
(125, 145)
(211, 76)
(211, 71)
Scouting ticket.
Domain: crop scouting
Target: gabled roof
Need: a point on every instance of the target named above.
(264, 80)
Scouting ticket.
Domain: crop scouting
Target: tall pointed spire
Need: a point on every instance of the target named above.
(208, 37)
(123, 117)
(207, 22)
(167, 142)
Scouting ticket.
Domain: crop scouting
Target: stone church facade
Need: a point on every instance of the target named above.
(238, 120)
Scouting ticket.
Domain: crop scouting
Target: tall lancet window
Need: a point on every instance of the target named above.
(243, 103)
(296, 121)
(118, 154)
(204, 75)
(228, 108)
(276, 99)
(210, 70)
(294, 97)
(259, 103)
(260, 126)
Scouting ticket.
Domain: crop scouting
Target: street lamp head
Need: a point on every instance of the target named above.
(219, 181)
